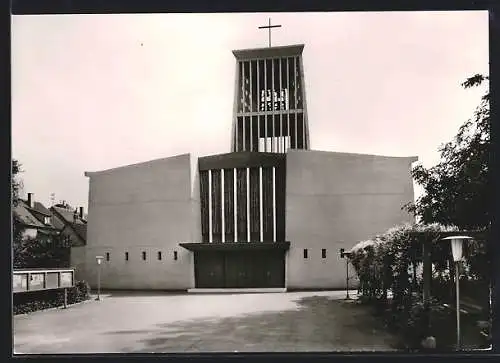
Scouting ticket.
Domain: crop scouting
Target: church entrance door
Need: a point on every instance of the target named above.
(239, 269)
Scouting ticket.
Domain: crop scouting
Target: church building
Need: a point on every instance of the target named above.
(270, 214)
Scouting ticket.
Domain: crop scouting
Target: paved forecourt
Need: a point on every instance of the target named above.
(160, 322)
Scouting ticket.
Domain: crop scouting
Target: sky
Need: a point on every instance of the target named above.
(94, 92)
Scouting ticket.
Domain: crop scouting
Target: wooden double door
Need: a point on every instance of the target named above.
(239, 269)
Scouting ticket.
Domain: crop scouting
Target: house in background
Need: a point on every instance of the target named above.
(34, 219)
(72, 225)
(61, 220)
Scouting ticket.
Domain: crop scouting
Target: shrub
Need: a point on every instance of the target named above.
(419, 321)
(392, 262)
(28, 302)
(79, 293)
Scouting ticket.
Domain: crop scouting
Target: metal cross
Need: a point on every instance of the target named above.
(269, 27)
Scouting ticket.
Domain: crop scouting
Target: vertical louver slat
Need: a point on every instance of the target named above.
(249, 206)
(210, 222)
(261, 207)
(216, 206)
(280, 178)
(254, 205)
(274, 202)
(267, 178)
(235, 209)
(229, 205)
(223, 226)
(242, 204)
(204, 205)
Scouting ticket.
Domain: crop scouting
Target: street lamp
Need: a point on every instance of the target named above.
(346, 255)
(457, 253)
(99, 260)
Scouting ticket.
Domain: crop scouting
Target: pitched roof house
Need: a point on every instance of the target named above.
(71, 223)
(34, 218)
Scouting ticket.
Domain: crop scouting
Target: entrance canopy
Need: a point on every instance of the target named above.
(238, 246)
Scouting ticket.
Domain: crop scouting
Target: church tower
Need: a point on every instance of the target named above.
(270, 112)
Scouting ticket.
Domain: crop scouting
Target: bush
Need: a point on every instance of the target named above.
(418, 321)
(80, 292)
(392, 263)
(29, 302)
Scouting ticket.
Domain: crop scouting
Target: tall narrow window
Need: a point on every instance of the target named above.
(126, 256)
(107, 256)
(159, 255)
(305, 252)
(144, 255)
(175, 255)
(323, 253)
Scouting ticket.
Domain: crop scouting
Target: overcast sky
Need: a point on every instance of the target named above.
(92, 92)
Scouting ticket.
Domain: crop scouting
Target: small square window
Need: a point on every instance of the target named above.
(305, 252)
(126, 256)
(144, 255)
(323, 253)
(159, 255)
(107, 256)
(175, 255)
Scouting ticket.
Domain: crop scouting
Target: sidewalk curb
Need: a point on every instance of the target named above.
(54, 308)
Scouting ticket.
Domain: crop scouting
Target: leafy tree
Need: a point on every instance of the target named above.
(16, 185)
(41, 252)
(457, 189)
(16, 182)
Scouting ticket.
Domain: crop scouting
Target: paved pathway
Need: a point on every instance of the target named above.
(154, 322)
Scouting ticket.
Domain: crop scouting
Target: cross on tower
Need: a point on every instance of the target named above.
(269, 27)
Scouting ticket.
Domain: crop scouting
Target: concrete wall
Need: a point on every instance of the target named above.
(148, 207)
(334, 200)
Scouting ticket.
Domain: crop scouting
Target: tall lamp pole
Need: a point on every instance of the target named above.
(456, 250)
(346, 256)
(99, 260)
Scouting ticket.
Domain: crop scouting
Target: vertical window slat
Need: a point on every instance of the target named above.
(235, 207)
(261, 206)
(274, 204)
(210, 206)
(248, 204)
(223, 234)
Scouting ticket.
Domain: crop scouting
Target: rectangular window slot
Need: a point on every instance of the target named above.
(323, 253)
(143, 256)
(159, 255)
(305, 252)
(175, 255)
(126, 256)
(107, 256)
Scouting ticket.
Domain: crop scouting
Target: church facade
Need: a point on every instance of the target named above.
(271, 213)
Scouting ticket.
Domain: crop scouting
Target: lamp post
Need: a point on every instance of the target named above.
(456, 251)
(99, 260)
(346, 255)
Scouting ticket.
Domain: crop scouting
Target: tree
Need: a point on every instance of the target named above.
(41, 252)
(16, 182)
(457, 189)
(16, 185)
